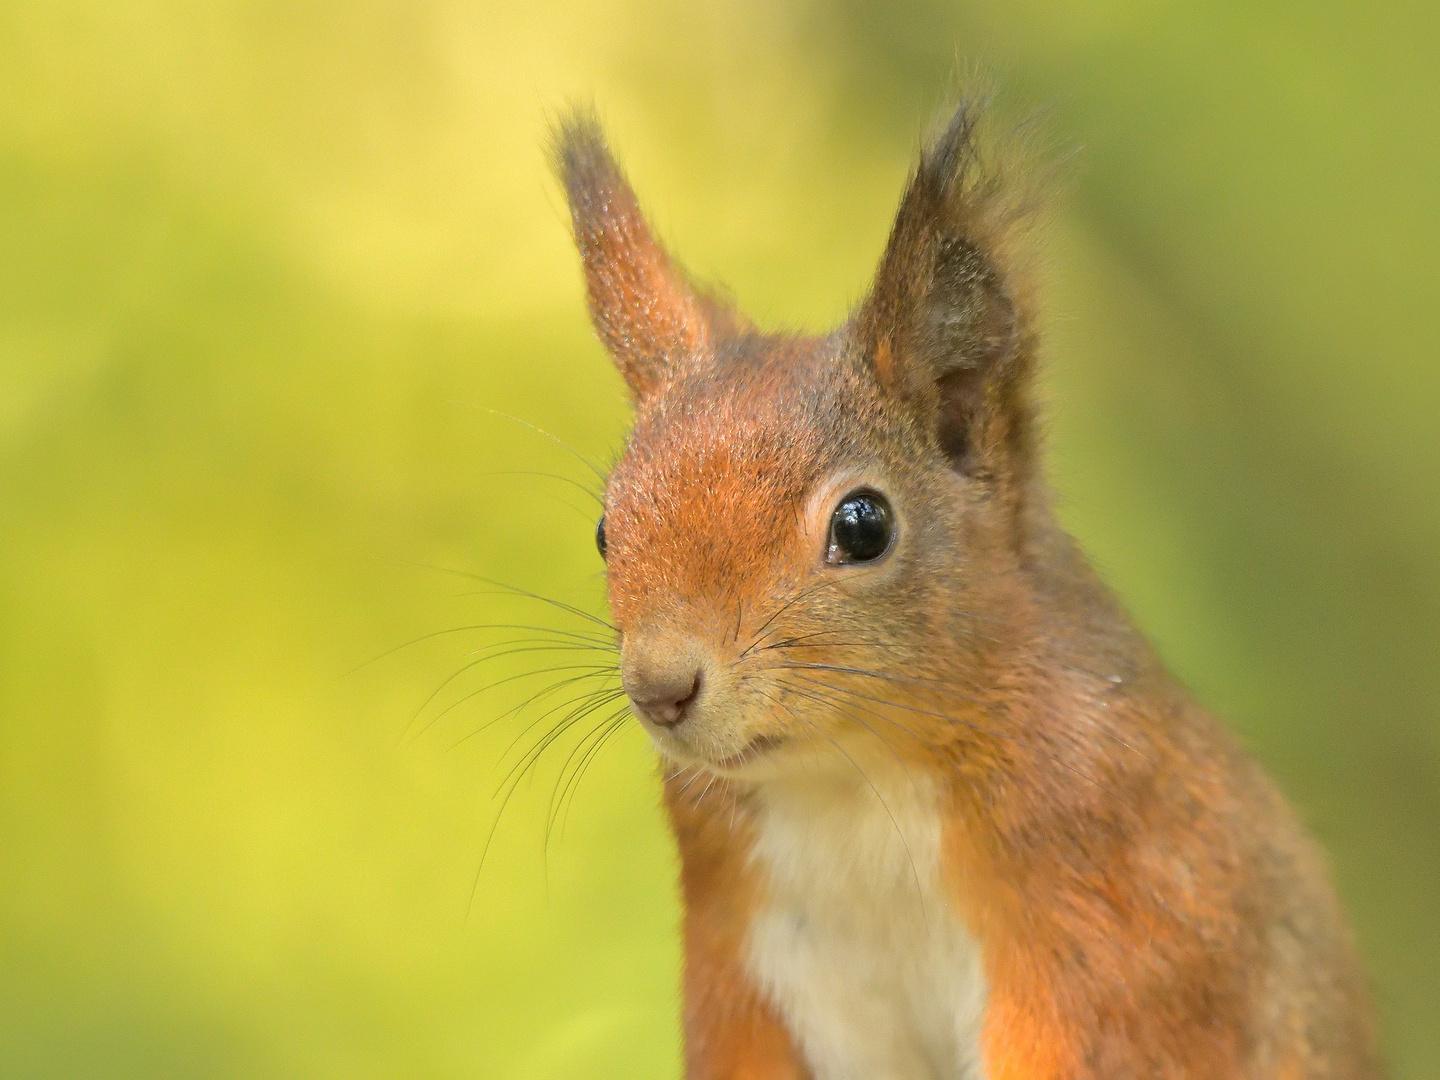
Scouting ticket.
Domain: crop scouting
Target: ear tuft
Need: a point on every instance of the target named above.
(948, 326)
(642, 306)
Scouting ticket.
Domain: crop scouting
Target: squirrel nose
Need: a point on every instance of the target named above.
(666, 702)
(663, 692)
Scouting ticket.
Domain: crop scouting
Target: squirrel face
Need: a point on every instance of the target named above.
(796, 521)
(733, 596)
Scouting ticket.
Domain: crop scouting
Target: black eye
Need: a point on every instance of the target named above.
(861, 528)
(600, 536)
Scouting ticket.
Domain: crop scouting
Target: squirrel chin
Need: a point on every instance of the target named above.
(755, 761)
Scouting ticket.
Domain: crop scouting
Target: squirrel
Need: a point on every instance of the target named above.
(941, 811)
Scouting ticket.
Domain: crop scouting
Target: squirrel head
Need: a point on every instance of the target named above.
(806, 538)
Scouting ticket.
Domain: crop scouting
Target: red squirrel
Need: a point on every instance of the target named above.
(941, 811)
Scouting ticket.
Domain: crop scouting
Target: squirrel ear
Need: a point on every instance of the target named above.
(946, 326)
(642, 306)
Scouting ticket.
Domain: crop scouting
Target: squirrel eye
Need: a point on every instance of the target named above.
(600, 536)
(861, 528)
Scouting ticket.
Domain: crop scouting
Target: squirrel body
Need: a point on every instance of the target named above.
(941, 811)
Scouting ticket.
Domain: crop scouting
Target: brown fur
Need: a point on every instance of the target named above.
(731, 1033)
(1146, 904)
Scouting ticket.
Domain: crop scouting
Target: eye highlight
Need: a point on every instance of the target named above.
(600, 545)
(862, 528)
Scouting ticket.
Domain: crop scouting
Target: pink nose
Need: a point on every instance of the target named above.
(664, 695)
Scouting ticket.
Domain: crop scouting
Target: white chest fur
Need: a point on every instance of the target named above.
(858, 945)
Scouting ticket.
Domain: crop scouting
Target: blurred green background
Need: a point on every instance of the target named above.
(264, 267)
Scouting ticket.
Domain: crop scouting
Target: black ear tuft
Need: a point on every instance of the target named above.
(641, 304)
(947, 325)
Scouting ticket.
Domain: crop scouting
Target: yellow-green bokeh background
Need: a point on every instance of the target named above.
(263, 268)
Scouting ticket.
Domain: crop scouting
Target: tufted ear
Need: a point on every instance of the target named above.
(645, 310)
(946, 326)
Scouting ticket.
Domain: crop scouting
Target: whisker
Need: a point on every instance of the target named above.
(540, 431)
(905, 843)
(919, 888)
(531, 700)
(597, 639)
(552, 476)
(928, 684)
(820, 697)
(786, 606)
(615, 722)
(1053, 758)
(528, 645)
(517, 773)
(530, 757)
(594, 669)
(950, 688)
(589, 704)
(713, 778)
(513, 590)
(689, 782)
(561, 785)
(800, 643)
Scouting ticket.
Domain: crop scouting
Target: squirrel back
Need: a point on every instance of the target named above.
(941, 810)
